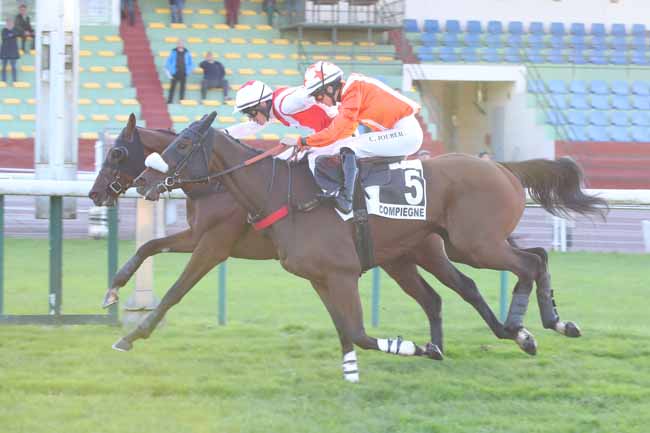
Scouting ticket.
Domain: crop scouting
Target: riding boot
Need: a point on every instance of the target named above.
(350, 173)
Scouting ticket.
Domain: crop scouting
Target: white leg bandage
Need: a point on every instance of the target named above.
(350, 367)
(396, 346)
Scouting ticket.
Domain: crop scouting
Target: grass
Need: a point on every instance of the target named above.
(276, 366)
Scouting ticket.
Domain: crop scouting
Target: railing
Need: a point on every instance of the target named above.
(383, 14)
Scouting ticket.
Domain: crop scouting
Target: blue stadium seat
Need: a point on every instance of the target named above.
(515, 27)
(450, 40)
(618, 58)
(638, 30)
(577, 57)
(557, 41)
(578, 29)
(557, 87)
(448, 54)
(639, 43)
(426, 57)
(580, 102)
(640, 134)
(512, 55)
(493, 41)
(536, 41)
(598, 42)
(424, 51)
(619, 118)
(618, 30)
(640, 118)
(578, 41)
(640, 58)
(555, 56)
(557, 29)
(472, 39)
(474, 26)
(429, 38)
(577, 118)
(515, 41)
(411, 26)
(598, 29)
(621, 102)
(640, 88)
(536, 86)
(599, 87)
(618, 43)
(536, 28)
(554, 117)
(598, 118)
(469, 54)
(452, 26)
(491, 55)
(557, 102)
(620, 87)
(641, 102)
(535, 56)
(495, 27)
(577, 133)
(597, 133)
(431, 26)
(599, 102)
(618, 133)
(579, 87)
(597, 57)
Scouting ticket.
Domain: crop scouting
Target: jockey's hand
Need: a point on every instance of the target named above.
(290, 141)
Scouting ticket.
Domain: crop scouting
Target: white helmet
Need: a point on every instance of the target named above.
(319, 74)
(251, 94)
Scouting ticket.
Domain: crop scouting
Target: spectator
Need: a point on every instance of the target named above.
(9, 49)
(23, 27)
(128, 10)
(269, 6)
(232, 12)
(179, 64)
(177, 10)
(213, 76)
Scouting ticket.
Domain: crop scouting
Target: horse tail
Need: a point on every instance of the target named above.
(557, 186)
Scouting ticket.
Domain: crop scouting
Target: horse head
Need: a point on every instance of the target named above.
(184, 162)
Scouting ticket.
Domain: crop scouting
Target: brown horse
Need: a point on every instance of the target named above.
(474, 205)
(218, 229)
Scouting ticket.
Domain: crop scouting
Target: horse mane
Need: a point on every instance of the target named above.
(241, 143)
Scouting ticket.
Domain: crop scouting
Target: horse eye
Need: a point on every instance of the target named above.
(117, 154)
(184, 144)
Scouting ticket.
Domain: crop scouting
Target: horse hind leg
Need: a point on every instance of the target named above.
(546, 301)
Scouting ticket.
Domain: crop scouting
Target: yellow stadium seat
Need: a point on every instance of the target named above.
(290, 72)
(292, 135)
(81, 117)
(197, 70)
(211, 103)
(295, 56)
(367, 44)
(180, 119)
(277, 56)
(105, 101)
(27, 68)
(31, 101)
(81, 69)
(188, 11)
(193, 87)
(230, 102)
(106, 53)
(238, 41)
(235, 87)
(259, 41)
(13, 134)
(90, 38)
(268, 71)
(232, 56)
(89, 135)
(189, 102)
(324, 43)
(228, 71)
(99, 117)
(280, 41)
(319, 57)
(340, 57)
(226, 119)
(221, 26)
(216, 40)
(263, 27)
(363, 58)
(162, 10)
(242, 27)
(385, 58)
(255, 56)
(178, 26)
(120, 69)
(194, 40)
(85, 53)
(28, 117)
(200, 26)
(156, 26)
(121, 117)
(171, 39)
(6, 117)
(270, 137)
(98, 69)
(84, 101)
(248, 12)
(246, 71)
(3, 84)
(129, 101)
(206, 11)
(22, 85)
(11, 101)
(163, 53)
(345, 43)
(91, 85)
(112, 38)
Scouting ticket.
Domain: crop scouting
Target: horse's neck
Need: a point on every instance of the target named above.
(154, 141)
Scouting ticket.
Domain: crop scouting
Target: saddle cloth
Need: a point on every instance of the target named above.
(394, 188)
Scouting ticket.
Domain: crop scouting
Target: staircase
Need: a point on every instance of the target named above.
(144, 74)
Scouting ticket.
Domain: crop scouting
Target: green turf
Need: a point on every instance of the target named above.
(276, 366)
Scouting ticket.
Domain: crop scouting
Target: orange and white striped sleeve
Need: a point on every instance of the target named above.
(344, 124)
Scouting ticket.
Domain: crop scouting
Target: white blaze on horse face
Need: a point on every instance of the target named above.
(155, 162)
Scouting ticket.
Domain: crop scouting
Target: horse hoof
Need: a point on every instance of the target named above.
(122, 345)
(572, 330)
(433, 351)
(110, 298)
(526, 342)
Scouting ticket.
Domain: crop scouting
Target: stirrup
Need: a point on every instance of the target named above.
(343, 204)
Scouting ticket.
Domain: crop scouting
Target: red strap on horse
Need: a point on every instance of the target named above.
(271, 218)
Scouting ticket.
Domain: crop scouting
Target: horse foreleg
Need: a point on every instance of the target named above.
(182, 242)
(546, 301)
(204, 258)
(350, 366)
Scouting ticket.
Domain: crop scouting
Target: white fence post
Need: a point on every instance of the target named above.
(645, 224)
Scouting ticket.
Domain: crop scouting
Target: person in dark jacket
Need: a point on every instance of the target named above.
(213, 76)
(9, 49)
(232, 12)
(24, 26)
(176, 7)
(179, 65)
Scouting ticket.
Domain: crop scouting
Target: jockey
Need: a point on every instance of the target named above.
(291, 106)
(389, 114)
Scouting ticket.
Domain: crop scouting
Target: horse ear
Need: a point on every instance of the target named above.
(207, 121)
(130, 127)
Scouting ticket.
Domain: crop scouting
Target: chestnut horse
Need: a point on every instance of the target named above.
(473, 205)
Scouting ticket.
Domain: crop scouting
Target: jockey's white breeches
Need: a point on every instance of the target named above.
(405, 138)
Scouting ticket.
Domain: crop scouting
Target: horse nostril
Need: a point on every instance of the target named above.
(139, 182)
(92, 195)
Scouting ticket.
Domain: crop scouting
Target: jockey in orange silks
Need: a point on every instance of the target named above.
(362, 100)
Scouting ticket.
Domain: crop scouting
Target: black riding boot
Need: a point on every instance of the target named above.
(350, 173)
